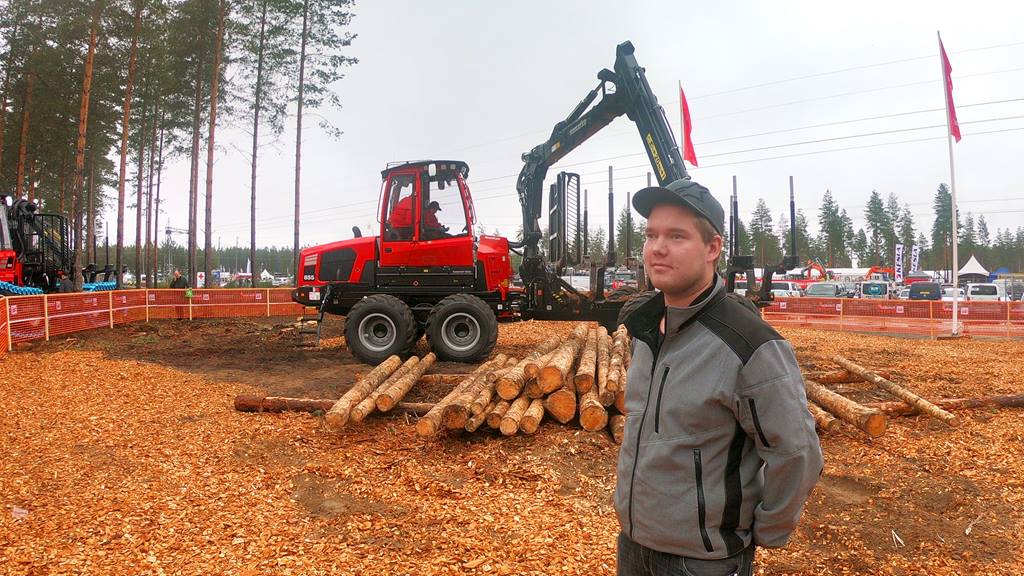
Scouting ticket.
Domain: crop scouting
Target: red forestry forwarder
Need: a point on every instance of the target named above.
(34, 248)
(428, 272)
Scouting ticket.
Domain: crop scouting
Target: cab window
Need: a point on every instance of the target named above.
(442, 209)
(400, 210)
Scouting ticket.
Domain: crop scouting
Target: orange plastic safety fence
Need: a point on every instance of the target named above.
(924, 318)
(5, 339)
(24, 318)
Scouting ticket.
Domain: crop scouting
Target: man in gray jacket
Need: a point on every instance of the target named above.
(719, 452)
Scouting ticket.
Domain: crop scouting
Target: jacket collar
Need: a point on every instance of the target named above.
(645, 321)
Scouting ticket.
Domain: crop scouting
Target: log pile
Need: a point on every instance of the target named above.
(580, 378)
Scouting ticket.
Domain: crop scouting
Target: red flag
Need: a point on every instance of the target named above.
(947, 70)
(688, 154)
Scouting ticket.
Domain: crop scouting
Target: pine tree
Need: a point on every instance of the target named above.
(765, 244)
(878, 230)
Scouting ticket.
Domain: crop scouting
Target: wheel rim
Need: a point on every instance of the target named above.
(377, 332)
(460, 332)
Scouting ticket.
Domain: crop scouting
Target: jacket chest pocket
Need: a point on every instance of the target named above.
(681, 409)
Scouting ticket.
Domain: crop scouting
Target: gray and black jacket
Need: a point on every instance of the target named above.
(719, 448)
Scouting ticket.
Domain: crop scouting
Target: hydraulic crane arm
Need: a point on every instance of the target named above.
(622, 92)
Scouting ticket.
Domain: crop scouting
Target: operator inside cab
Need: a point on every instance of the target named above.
(400, 220)
(433, 229)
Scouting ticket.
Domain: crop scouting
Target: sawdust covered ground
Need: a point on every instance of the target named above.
(122, 454)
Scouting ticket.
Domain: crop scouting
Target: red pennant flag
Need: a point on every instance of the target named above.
(947, 70)
(688, 154)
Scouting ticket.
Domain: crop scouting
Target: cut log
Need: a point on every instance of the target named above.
(898, 391)
(902, 409)
(584, 378)
(474, 422)
(561, 403)
(511, 384)
(457, 413)
(620, 345)
(434, 379)
(510, 421)
(430, 423)
(593, 416)
(839, 376)
(532, 367)
(487, 394)
(396, 388)
(253, 403)
(534, 413)
(822, 419)
(338, 415)
(872, 422)
(369, 404)
(494, 418)
(620, 401)
(617, 424)
(553, 375)
(604, 344)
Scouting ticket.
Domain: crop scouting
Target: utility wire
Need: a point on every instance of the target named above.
(850, 69)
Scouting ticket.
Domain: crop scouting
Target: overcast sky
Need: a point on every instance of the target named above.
(486, 81)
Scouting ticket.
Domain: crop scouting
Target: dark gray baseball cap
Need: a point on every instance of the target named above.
(683, 192)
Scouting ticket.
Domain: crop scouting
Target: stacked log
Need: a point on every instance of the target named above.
(554, 374)
(534, 413)
(430, 423)
(392, 392)
(604, 345)
(338, 415)
(511, 384)
(253, 403)
(368, 404)
(457, 413)
(584, 379)
(617, 424)
(510, 420)
(822, 419)
(593, 416)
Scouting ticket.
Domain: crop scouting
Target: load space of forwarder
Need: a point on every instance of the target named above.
(426, 272)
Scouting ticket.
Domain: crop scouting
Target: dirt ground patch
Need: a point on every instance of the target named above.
(123, 455)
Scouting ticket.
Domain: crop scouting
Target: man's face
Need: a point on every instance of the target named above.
(177, 274)
(676, 258)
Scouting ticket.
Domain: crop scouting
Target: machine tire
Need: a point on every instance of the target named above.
(622, 293)
(472, 336)
(379, 326)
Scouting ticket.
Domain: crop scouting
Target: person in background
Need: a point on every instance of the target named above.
(179, 281)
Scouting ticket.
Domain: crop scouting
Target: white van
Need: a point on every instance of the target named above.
(986, 291)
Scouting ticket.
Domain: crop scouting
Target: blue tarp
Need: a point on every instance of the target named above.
(8, 288)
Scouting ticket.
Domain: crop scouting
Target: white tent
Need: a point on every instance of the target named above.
(973, 267)
(266, 276)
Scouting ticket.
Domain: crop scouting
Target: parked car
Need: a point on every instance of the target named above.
(925, 291)
(947, 294)
(904, 293)
(874, 289)
(985, 291)
(826, 290)
(785, 289)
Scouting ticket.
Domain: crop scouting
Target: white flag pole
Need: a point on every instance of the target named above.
(952, 187)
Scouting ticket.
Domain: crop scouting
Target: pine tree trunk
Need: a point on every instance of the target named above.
(126, 117)
(193, 190)
(257, 105)
(149, 197)
(214, 85)
(156, 215)
(138, 196)
(31, 191)
(298, 137)
(63, 169)
(83, 123)
(90, 214)
(26, 112)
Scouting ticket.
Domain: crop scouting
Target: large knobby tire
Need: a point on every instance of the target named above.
(462, 328)
(632, 303)
(379, 326)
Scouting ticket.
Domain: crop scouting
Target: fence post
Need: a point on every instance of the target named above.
(1008, 304)
(842, 315)
(147, 305)
(110, 306)
(46, 316)
(190, 308)
(268, 302)
(7, 308)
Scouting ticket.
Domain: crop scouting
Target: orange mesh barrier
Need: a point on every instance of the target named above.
(24, 318)
(5, 336)
(67, 313)
(917, 317)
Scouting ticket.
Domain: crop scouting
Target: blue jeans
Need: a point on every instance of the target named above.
(636, 560)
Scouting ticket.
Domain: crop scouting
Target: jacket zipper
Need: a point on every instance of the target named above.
(639, 432)
(757, 423)
(701, 510)
(657, 406)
